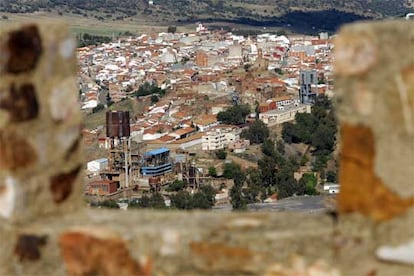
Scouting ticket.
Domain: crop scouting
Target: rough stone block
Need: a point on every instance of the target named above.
(362, 190)
(28, 247)
(98, 252)
(375, 96)
(21, 50)
(40, 153)
(218, 258)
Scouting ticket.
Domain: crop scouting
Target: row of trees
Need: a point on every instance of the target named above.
(317, 129)
(235, 115)
(148, 88)
(203, 199)
(275, 174)
(89, 39)
(181, 199)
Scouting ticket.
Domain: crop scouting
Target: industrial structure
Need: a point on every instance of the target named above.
(128, 169)
(156, 162)
(119, 154)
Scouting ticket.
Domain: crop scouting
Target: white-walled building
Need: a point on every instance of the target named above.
(280, 116)
(97, 165)
(219, 138)
(213, 140)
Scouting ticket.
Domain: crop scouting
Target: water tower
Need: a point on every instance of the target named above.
(118, 132)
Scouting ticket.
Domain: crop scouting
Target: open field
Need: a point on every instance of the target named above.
(138, 16)
(81, 24)
(290, 23)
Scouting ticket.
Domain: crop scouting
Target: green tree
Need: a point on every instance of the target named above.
(290, 133)
(306, 125)
(176, 186)
(98, 108)
(256, 133)
(234, 171)
(212, 171)
(286, 184)
(235, 115)
(210, 194)
(182, 200)
(109, 101)
(280, 147)
(221, 154)
(154, 99)
(200, 201)
(112, 204)
(267, 166)
(276, 171)
(323, 139)
(148, 88)
(184, 60)
(203, 199)
(331, 177)
(268, 148)
(320, 162)
(279, 71)
(323, 101)
(155, 201)
(321, 81)
(317, 129)
(172, 29)
(254, 187)
(309, 181)
(237, 200)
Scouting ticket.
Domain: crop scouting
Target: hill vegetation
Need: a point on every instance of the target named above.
(297, 15)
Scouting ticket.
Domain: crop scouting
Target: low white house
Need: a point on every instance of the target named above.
(97, 165)
(331, 188)
(90, 104)
(239, 146)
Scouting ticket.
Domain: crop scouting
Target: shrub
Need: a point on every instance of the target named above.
(221, 154)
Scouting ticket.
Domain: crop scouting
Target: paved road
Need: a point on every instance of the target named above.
(306, 204)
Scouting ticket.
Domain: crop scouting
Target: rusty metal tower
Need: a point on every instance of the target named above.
(118, 132)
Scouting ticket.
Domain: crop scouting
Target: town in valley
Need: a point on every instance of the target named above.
(209, 119)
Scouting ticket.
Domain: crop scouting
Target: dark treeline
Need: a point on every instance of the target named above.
(89, 39)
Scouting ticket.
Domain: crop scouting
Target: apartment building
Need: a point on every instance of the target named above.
(219, 138)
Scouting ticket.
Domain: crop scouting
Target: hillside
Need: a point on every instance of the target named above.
(94, 120)
(297, 15)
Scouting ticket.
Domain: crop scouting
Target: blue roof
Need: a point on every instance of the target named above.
(156, 151)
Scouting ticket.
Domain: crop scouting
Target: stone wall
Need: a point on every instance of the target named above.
(45, 230)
